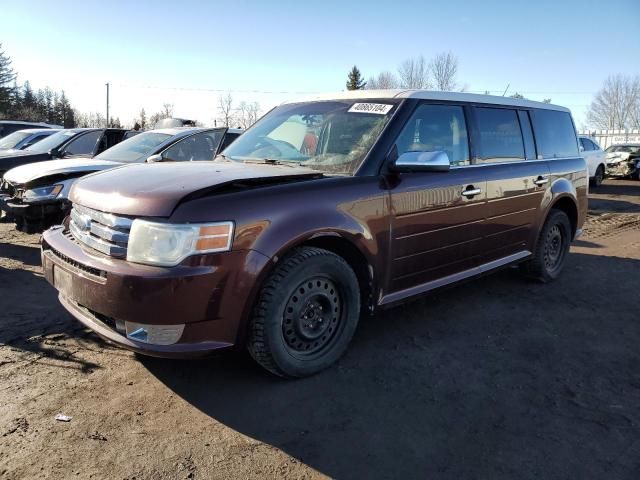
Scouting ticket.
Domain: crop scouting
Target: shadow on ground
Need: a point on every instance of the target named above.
(27, 254)
(495, 378)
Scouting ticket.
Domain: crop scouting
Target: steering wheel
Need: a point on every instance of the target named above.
(266, 145)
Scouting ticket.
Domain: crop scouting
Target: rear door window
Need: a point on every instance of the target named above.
(500, 136)
(85, 144)
(555, 134)
(201, 146)
(586, 145)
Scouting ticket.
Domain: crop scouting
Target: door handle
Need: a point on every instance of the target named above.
(541, 181)
(471, 192)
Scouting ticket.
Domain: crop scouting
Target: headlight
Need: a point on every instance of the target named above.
(42, 193)
(168, 244)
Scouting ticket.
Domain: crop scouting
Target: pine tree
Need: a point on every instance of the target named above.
(7, 77)
(28, 97)
(354, 80)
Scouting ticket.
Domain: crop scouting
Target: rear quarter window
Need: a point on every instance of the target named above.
(555, 134)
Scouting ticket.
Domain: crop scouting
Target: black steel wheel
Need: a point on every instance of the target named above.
(551, 248)
(306, 315)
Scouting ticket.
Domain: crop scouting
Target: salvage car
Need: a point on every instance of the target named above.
(596, 159)
(7, 127)
(24, 138)
(36, 195)
(324, 209)
(623, 160)
(74, 142)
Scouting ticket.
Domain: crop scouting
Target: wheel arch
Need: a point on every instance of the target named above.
(331, 241)
(567, 205)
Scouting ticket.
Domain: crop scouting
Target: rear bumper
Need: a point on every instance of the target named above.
(209, 295)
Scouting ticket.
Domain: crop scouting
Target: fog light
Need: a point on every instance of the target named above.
(154, 334)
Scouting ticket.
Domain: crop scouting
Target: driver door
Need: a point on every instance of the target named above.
(435, 216)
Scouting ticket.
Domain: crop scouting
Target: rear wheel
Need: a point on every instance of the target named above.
(551, 248)
(598, 177)
(306, 314)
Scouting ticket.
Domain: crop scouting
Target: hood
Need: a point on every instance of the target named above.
(156, 189)
(615, 157)
(32, 171)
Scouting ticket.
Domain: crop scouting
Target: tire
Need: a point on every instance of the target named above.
(551, 248)
(290, 333)
(598, 177)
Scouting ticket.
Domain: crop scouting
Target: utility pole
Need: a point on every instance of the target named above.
(107, 122)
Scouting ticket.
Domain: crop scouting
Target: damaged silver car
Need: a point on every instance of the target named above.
(623, 160)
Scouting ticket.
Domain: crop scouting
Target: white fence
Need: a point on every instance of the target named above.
(606, 138)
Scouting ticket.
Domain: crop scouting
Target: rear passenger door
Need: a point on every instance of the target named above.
(516, 181)
(435, 218)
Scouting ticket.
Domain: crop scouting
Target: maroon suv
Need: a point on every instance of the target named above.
(322, 210)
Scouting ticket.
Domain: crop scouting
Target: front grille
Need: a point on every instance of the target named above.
(72, 263)
(105, 232)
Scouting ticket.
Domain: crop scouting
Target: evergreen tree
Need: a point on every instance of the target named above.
(28, 97)
(354, 80)
(7, 77)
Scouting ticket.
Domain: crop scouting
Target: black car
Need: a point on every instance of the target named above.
(9, 126)
(74, 142)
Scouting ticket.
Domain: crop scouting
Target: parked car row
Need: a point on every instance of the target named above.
(324, 209)
(36, 195)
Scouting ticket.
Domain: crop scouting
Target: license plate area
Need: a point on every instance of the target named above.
(62, 280)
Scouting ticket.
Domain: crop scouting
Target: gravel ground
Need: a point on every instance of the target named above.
(495, 378)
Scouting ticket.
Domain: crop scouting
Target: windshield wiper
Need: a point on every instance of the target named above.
(272, 161)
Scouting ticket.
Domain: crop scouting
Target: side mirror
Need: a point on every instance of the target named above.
(581, 148)
(154, 158)
(54, 153)
(435, 161)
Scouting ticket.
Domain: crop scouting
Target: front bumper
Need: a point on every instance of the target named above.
(209, 294)
(35, 213)
(620, 169)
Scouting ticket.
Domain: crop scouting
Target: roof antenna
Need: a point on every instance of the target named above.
(505, 90)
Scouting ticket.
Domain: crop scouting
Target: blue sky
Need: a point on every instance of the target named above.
(272, 51)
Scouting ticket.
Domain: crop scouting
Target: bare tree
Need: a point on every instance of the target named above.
(167, 110)
(413, 73)
(89, 120)
(225, 109)
(384, 80)
(443, 70)
(617, 104)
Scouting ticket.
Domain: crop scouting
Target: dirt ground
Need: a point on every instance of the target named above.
(495, 378)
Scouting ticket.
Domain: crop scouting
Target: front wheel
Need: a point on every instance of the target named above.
(551, 248)
(306, 314)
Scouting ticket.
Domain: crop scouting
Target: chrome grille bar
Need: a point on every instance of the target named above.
(104, 232)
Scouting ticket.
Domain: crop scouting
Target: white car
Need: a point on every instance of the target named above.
(596, 159)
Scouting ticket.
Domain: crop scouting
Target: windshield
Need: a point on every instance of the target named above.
(134, 149)
(624, 148)
(333, 137)
(13, 139)
(52, 141)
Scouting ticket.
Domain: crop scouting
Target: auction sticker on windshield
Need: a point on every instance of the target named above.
(379, 108)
